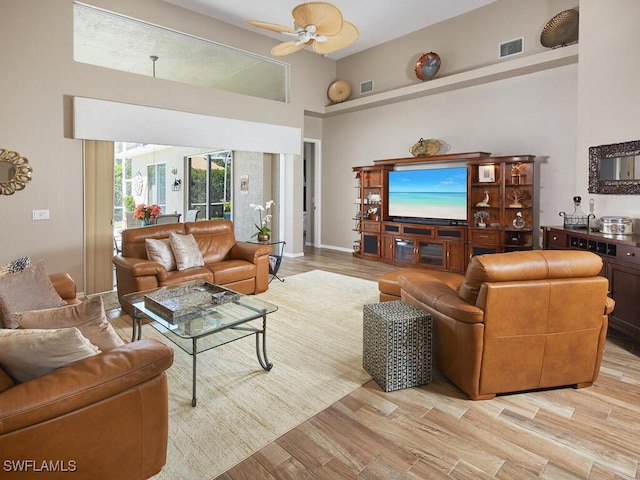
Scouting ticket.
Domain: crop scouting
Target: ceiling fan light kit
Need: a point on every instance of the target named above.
(318, 24)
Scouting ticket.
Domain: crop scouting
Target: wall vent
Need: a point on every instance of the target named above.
(512, 47)
(366, 87)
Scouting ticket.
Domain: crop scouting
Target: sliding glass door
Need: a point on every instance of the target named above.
(210, 184)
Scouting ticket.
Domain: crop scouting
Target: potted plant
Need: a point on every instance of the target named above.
(264, 232)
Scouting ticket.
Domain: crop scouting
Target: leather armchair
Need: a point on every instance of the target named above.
(103, 417)
(517, 321)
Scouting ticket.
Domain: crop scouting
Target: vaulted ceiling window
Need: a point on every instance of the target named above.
(122, 43)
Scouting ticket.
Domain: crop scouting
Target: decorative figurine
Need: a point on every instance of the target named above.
(480, 218)
(519, 222)
(485, 202)
(516, 196)
(516, 174)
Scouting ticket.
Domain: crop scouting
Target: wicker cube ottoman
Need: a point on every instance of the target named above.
(396, 344)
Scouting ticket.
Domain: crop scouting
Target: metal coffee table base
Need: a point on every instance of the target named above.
(261, 353)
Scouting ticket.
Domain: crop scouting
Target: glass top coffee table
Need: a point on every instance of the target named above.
(198, 316)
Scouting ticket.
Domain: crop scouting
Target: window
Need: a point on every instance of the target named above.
(157, 186)
(114, 41)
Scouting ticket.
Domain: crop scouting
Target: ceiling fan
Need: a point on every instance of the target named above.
(318, 24)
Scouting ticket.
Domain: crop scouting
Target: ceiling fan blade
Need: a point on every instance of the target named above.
(272, 27)
(326, 17)
(347, 36)
(287, 48)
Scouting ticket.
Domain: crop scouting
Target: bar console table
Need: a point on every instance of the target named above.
(621, 265)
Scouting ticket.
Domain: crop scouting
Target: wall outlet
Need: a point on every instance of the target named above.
(40, 214)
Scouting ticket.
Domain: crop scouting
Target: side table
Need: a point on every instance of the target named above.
(274, 260)
(396, 344)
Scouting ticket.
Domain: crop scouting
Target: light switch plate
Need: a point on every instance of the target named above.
(40, 214)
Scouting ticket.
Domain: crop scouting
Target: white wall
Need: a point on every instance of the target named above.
(533, 114)
(608, 93)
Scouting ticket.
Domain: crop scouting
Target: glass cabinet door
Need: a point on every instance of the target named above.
(431, 254)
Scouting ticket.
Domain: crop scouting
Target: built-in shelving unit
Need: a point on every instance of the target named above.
(507, 69)
(502, 188)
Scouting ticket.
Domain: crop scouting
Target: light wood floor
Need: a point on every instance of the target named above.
(434, 432)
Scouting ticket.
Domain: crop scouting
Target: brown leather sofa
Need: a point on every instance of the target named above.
(240, 266)
(516, 321)
(103, 417)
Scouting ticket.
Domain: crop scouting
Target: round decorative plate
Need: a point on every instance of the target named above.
(426, 148)
(339, 91)
(427, 66)
(560, 30)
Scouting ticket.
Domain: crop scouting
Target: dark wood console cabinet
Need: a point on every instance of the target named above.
(621, 257)
(432, 246)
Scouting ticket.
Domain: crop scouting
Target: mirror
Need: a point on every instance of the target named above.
(15, 172)
(615, 169)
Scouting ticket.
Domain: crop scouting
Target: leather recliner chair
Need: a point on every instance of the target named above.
(517, 321)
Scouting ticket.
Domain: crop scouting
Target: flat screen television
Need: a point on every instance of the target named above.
(429, 194)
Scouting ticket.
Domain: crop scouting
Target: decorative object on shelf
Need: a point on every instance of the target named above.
(146, 213)
(424, 148)
(372, 213)
(578, 219)
(516, 196)
(561, 30)
(373, 198)
(516, 174)
(486, 174)
(427, 66)
(518, 222)
(480, 218)
(264, 232)
(616, 225)
(339, 91)
(15, 174)
(318, 24)
(485, 201)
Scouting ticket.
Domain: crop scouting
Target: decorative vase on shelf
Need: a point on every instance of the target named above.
(264, 237)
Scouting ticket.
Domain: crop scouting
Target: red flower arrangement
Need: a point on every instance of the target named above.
(146, 213)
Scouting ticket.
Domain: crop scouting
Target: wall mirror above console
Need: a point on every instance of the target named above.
(615, 168)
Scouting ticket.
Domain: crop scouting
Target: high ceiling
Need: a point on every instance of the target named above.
(377, 20)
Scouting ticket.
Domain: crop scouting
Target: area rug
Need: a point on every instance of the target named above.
(315, 343)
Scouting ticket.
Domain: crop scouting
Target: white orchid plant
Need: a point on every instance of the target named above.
(265, 217)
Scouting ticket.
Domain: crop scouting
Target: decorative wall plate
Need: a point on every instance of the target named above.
(427, 66)
(560, 30)
(339, 91)
(425, 148)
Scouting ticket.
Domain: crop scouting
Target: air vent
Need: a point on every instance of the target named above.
(512, 47)
(366, 87)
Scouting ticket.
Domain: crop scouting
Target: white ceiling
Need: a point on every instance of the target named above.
(377, 20)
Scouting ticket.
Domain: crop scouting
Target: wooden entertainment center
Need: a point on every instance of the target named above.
(500, 200)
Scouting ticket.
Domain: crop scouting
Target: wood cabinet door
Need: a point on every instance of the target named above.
(456, 256)
(624, 285)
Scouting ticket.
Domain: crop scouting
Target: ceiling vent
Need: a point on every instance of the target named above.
(512, 47)
(366, 87)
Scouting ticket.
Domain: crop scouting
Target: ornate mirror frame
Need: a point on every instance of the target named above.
(20, 168)
(614, 187)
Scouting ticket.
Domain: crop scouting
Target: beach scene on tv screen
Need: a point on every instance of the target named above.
(431, 193)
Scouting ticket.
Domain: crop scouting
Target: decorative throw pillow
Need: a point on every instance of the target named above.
(185, 249)
(27, 354)
(88, 317)
(30, 289)
(160, 251)
(15, 266)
